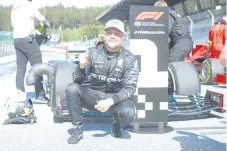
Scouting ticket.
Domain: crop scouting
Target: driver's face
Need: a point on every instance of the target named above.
(113, 37)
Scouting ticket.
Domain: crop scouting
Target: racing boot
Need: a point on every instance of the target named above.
(77, 134)
(116, 128)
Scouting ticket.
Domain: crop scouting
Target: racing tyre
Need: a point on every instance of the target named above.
(62, 77)
(49, 85)
(209, 69)
(183, 79)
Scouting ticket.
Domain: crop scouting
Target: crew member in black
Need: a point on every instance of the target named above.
(180, 40)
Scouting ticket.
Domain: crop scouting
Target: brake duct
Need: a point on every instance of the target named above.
(38, 70)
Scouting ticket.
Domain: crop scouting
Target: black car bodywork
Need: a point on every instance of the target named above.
(184, 90)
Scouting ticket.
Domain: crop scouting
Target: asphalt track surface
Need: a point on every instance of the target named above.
(205, 134)
(6, 69)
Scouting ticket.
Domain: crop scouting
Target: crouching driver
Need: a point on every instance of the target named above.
(113, 73)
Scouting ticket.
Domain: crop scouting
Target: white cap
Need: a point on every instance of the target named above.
(116, 24)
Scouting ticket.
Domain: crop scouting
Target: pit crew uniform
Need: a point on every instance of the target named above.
(217, 36)
(110, 75)
(181, 43)
(222, 56)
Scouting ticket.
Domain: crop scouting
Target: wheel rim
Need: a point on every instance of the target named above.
(204, 73)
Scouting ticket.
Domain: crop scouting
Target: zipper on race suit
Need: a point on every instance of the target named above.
(108, 71)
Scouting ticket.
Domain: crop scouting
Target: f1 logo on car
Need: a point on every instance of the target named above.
(149, 15)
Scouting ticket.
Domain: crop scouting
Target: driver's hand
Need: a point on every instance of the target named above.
(104, 105)
(83, 60)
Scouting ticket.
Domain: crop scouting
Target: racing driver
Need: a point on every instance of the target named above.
(112, 72)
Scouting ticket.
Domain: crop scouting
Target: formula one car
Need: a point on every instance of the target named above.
(207, 62)
(184, 90)
(184, 87)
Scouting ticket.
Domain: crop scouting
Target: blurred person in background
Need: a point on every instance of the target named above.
(217, 35)
(180, 40)
(23, 16)
(222, 56)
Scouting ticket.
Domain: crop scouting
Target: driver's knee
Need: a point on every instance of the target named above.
(73, 88)
(126, 113)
